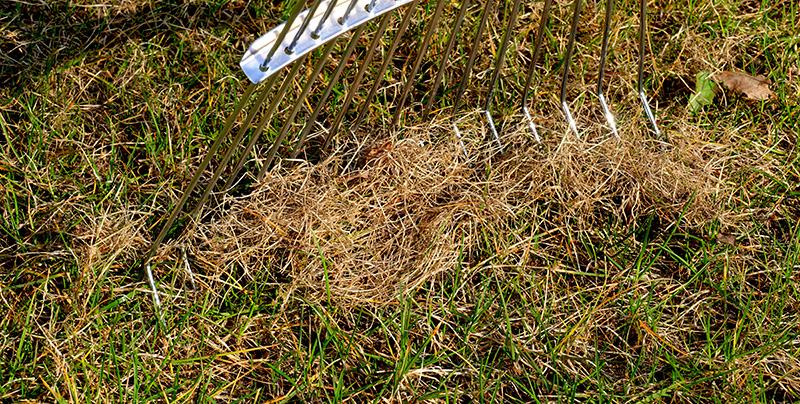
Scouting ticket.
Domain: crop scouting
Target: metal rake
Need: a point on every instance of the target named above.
(312, 33)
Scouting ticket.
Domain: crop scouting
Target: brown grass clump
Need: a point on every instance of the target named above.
(407, 210)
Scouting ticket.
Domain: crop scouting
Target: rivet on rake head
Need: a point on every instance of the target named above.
(264, 66)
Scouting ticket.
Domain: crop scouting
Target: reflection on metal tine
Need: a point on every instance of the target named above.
(388, 58)
(536, 48)
(303, 27)
(642, 96)
(460, 140)
(601, 72)
(188, 267)
(156, 298)
(450, 43)
(298, 103)
(324, 18)
(334, 79)
(494, 130)
(262, 96)
(422, 49)
(472, 55)
(498, 66)
(295, 12)
(354, 87)
(570, 47)
(530, 123)
(193, 183)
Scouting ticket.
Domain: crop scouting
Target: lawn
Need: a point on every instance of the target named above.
(402, 264)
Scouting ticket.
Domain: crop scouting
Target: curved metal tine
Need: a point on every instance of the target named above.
(324, 18)
(298, 103)
(343, 19)
(356, 83)
(642, 96)
(388, 58)
(304, 26)
(432, 24)
(295, 12)
(498, 66)
(193, 183)
(262, 96)
(471, 60)
(450, 43)
(334, 79)
(570, 47)
(264, 120)
(603, 54)
(273, 105)
(536, 49)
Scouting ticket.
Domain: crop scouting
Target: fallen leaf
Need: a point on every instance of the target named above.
(755, 88)
(726, 238)
(703, 92)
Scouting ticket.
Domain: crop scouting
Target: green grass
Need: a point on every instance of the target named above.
(105, 110)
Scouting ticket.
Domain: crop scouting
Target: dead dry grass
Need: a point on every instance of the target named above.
(397, 269)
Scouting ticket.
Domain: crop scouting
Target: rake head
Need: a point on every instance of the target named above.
(340, 53)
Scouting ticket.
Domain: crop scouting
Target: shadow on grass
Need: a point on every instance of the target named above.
(42, 37)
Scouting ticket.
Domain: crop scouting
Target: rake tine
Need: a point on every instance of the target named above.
(473, 53)
(156, 298)
(206, 160)
(324, 18)
(354, 87)
(303, 27)
(262, 96)
(343, 19)
(642, 96)
(536, 49)
(603, 55)
(334, 79)
(298, 103)
(450, 43)
(422, 49)
(379, 77)
(286, 28)
(253, 140)
(498, 66)
(287, 81)
(570, 47)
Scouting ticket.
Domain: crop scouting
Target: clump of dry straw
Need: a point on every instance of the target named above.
(373, 225)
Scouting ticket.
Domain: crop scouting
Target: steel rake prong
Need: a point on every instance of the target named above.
(570, 47)
(450, 43)
(293, 16)
(536, 49)
(473, 53)
(262, 96)
(304, 26)
(603, 54)
(193, 183)
(325, 16)
(379, 77)
(498, 66)
(350, 7)
(640, 86)
(422, 49)
(298, 103)
(287, 82)
(356, 83)
(334, 79)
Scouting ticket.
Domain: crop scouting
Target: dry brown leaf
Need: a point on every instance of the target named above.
(755, 88)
